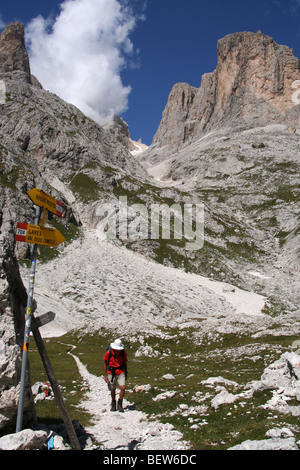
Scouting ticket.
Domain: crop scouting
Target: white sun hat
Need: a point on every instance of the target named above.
(117, 344)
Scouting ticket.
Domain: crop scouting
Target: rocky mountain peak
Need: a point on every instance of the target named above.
(251, 85)
(256, 62)
(13, 54)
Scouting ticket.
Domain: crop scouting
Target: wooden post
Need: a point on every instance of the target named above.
(56, 390)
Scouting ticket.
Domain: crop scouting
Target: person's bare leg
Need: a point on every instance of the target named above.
(121, 396)
(122, 392)
(113, 401)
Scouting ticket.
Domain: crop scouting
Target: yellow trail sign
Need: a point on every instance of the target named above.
(45, 200)
(38, 235)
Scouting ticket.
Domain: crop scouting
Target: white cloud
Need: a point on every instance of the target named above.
(79, 55)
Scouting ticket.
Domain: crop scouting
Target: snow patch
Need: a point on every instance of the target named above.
(139, 148)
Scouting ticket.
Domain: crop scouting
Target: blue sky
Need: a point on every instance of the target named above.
(148, 47)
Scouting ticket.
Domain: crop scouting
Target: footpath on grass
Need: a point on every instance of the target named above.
(130, 430)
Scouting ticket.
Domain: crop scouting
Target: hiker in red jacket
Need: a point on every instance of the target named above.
(115, 370)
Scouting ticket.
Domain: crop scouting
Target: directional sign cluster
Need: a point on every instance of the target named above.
(39, 234)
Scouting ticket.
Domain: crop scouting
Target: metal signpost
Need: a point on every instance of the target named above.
(39, 235)
(27, 329)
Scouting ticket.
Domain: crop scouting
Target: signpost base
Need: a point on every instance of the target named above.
(55, 387)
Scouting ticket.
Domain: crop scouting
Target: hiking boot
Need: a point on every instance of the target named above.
(120, 406)
(113, 406)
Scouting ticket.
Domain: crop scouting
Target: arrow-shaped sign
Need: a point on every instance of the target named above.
(45, 200)
(38, 235)
(43, 319)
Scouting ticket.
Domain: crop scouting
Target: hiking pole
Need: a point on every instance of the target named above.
(27, 328)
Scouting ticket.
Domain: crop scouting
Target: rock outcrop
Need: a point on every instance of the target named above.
(13, 298)
(251, 86)
(13, 55)
(14, 65)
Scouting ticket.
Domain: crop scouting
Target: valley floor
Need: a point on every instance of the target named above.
(135, 296)
(95, 284)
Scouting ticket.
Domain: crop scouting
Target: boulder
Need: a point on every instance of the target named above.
(267, 444)
(283, 374)
(24, 440)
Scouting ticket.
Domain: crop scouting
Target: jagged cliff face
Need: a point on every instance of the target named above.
(251, 86)
(234, 143)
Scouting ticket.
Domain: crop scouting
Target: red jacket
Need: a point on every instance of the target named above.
(116, 361)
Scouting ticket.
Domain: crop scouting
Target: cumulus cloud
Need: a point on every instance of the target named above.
(80, 54)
